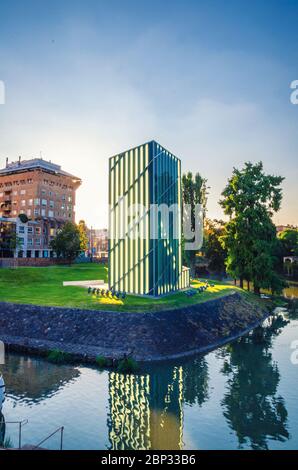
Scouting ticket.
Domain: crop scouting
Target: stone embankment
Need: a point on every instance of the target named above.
(147, 336)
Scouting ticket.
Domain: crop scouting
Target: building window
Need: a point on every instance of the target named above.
(37, 241)
(28, 254)
(36, 212)
(37, 230)
(21, 229)
(30, 202)
(43, 192)
(36, 254)
(23, 191)
(30, 242)
(23, 202)
(15, 193)
(45, 254)
(14, 212)
(21, 240)
(36, 202)
(51, 213)
(20, 254)
(51, 203)
(43, 212)
(44, 202)
(30, 229)
(29, 212)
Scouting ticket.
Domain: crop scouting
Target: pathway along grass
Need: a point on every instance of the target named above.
(43, 286)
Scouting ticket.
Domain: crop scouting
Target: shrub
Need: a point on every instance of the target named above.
(59, 357)
(101, 362)
(7, 444)
(127, 365)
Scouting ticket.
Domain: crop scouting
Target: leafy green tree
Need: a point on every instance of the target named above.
(289, 241)
(83, 230)
(9, 241)
(213, 249)
(67, 242)
(194, 191)
(250, 199)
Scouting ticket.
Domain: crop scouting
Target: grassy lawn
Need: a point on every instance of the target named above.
(43, 286)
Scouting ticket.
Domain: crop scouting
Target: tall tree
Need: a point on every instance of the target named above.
(67, 242)
(83, 231)
(194, 191)
(250, 199)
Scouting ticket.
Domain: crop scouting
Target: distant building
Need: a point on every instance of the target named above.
(98, 243)
(146, 176)
(45, 194)
(281, 228)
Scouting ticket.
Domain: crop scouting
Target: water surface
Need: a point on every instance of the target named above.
(242, 396)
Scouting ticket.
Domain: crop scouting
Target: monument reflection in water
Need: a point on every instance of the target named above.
(146, 410)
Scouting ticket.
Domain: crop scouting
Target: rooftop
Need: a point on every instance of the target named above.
(34, 164)
(162, 149)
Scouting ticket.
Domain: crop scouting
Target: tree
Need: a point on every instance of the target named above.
(213, 249)
(23, 218)
(67, 242)
(289, 242)
(83, 231)
(9, 241)
(194, 191)
(250, 198)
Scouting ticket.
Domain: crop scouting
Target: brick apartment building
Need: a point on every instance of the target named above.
(45, 194)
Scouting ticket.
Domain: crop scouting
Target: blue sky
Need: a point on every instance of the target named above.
(210, 80)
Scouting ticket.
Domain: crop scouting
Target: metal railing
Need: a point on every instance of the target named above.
(61, 429)
(20, 425)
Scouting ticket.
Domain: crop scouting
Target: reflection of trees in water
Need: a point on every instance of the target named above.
(196, 378)
(146, 411)
(251, 405)
(33, 380)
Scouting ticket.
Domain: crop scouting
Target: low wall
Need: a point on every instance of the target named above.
(148, 336)
(16, 262)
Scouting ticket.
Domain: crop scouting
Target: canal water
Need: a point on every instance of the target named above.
(242, 396)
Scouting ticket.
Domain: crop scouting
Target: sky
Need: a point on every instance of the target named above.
(209, 80)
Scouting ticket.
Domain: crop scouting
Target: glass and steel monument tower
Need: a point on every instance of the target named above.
(145, 221)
